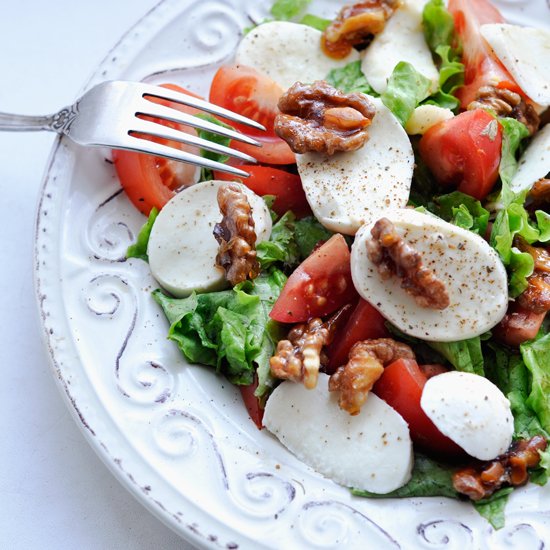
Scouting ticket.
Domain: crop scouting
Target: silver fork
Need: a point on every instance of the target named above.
(109, 115)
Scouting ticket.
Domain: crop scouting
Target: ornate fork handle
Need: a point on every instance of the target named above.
(59, 122)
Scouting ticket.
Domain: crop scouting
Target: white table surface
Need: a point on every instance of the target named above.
(54, 491)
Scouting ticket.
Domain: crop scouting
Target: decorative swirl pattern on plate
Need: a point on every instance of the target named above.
(107, 236)
(178, 433)
(263, 495)
(215, 28)
(446, 533)
(522, 535)
(333, 524)
(145, 380)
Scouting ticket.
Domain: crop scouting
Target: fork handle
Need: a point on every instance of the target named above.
(22, 123)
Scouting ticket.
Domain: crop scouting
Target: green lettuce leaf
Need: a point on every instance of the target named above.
(281, 246)
(506, 369)
(536, 355)
(438, 25)
(463, 210)
(439, 32)
(227, 330)
(139, 248)
(406, 89)
(464, 355)
(513, 132)
(429, 479)
(206, 173)
(308, 233)
(286, 10)
(350, 78)
(492, 508)
(543, 223)
(319, 23)
(511, 221)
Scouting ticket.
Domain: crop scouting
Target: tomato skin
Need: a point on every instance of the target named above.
(265, 180)
(465, 152)
(150, 181)
(482, 67)
(400, 386)
(252, 403)
(365, 322)
(245, 91)
(320, 285)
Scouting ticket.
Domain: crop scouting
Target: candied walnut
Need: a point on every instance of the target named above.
(394, 256)
(536, 297)
(365, 365)
(506, 103)
(539, 195)
(300, 357)
(320, 118)
(355, 25)
(236, 236)
(511, 468)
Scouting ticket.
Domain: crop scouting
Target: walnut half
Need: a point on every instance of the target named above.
(355, 25)
(506, 103)
(322, 119)
(299, 357)
(394, 256)
(236, 236)
(365, 365)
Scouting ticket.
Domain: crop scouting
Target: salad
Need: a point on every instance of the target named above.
(378, 286)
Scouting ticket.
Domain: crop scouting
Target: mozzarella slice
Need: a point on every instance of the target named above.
(346, 190)
(525, 52)
(426, 116)
(473, 275)
(401, 40)
(182, 248)
(288, 53)
(534, 164)
(470, 410)
(371, 451)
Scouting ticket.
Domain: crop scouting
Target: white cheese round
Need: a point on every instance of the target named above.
(182, 248)
(525, 52)
(401, 40)
(470, 410)
(347, 190)
(426, 116)
(473, 275)
(371, 451)
(288, 53)
(534, 164)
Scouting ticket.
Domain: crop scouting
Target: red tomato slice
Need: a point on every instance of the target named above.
(465, 151)
(150, 181)
(365, 322)
(251, 94)
(482, 67)
(320, 284)
(400, 386)
(265, 180)
(252, 404)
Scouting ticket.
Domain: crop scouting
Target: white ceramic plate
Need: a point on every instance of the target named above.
(175, 435)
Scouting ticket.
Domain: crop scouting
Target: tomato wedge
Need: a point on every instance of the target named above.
(401, 386)
(465, 152)
(150, 181)
(247, 92)
(252, 403)
(365, 322)
(264, 180)
(320, 284)
(482, 67)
